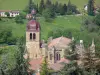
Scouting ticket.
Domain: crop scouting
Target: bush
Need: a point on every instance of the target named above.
(19, 19)
(97, 19)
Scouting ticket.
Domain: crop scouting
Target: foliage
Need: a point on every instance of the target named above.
(91, 62)
(21, 66)
(42, 6)
(72, 68)
(91, 7)
(48, 14)
(18, 19)
(6, 36)
(30, 7)
(7, 60)
(97, 19)
(44, 68)
(7, 13)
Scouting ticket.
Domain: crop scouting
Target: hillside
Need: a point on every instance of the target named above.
(20, 4)
(66, 22)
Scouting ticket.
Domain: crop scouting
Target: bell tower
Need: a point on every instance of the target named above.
(33, 37)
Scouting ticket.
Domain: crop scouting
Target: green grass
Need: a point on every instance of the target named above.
(66, 22)
(20, 4)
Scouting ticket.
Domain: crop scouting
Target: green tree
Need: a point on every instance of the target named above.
(48, 14)
(19, 19)
(91, 7)
(48, 4)
(42, 6)
(72, 68)
(97, 19)
(22, 66)
(69, 11)
(7, 13)
(44, 68)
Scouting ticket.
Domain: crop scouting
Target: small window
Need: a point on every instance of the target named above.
(30, 36)
(34, 36)
(58, 56)
(50, 56)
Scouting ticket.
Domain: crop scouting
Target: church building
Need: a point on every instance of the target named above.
(54, 49)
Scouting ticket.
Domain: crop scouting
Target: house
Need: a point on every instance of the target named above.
(12, 13)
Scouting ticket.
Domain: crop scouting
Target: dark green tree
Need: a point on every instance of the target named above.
(48, 4)
(22, 66)
(44, 68)
(69, 11)
(91, 7)
(56, 7)
(7, 13)
(42, 6)
(97, 19)
(72, 68)
(19, 19)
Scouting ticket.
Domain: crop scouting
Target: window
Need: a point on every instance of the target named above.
(50, 56)
(30, 36)
(58, 56)
(34, 36)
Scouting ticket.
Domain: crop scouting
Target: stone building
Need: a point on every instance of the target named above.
(54, 49)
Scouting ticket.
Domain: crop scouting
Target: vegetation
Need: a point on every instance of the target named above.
(44, 68)
(91, 7)
(12, 61)
(20, 4)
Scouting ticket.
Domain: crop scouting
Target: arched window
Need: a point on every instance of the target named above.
(50, 56)
(34, 36)
(30, 36)
(58, 56)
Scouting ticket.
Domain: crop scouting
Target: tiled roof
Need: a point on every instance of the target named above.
(36, 64)
(33, 25)
(13, 11)
(59, 42)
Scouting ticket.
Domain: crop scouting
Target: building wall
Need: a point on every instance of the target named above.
(2, 14)
(33, 46)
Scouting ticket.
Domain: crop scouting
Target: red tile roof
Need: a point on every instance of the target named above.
(13, 11)
(59, 41)
(36, 64)
(33, 25)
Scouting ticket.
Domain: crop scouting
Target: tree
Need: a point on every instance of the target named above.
(69, 11)
(30, 7)
(48, 3)
(91, 7)
(42, 6)
(72, 68)
(7, 13)
(97, 19)
(49, 14)
(44, 68)
(18, 19)
(22, 66)
(91, 62)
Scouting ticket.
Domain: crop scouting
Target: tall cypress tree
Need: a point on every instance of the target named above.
(91, 7)
(41, 7)
(69, 11)
(30, 6)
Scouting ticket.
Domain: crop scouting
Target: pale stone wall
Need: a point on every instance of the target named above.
(33, 46)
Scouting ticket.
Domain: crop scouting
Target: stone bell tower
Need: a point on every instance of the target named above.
(33, 37)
